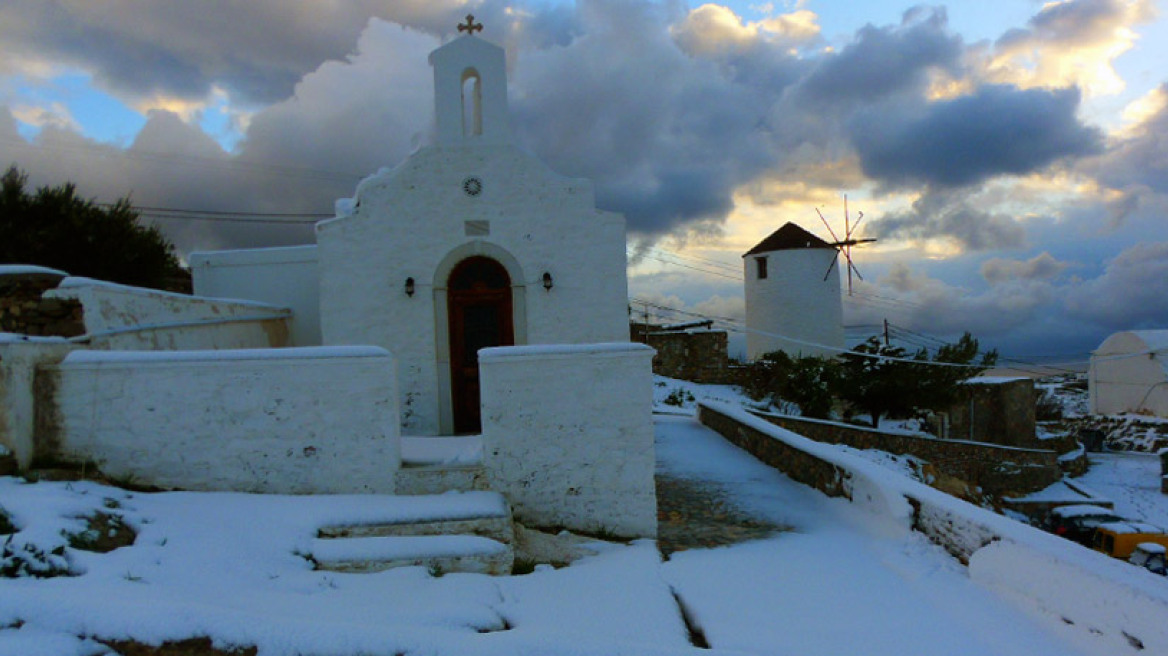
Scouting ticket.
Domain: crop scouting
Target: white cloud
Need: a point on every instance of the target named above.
(1069, 42)
(54, 114)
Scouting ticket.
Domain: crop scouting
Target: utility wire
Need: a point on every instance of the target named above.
(194, 160)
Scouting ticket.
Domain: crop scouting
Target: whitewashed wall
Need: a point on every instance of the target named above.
(19, 358)
(303, 420)
(1129, 373)
(568, 435)
(793, 300)
(283, 277)
(412, 222)
(120, 317)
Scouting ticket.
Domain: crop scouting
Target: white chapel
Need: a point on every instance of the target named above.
(469, 243)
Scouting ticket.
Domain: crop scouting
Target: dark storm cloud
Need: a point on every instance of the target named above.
(666, 136)
(997, 130)
(1040, 267)
(256, 50)
(611, 90)
(941, 213)
(884, 61)
(1130, 293)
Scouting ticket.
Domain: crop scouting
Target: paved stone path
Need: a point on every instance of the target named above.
(697, 515)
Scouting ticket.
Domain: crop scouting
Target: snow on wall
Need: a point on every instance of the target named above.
(285, 277)
(302, 424)
(120, 317)
(566, 457)
(794, 300)
(18, 362)
(418, 221)
(1107, 599)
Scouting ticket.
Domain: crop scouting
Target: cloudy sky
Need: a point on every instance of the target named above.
(1010, 156)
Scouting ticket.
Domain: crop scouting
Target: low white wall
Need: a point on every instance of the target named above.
(19, 357)
(119, 317)
(285, 277)
(305, 420)
(568, 435)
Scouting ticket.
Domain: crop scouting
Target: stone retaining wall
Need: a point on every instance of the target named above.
(996, 469)
(23, 311)
(699, 356)
(796, 463)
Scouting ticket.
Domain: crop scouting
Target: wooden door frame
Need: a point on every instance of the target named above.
(464, 380)
(442, 320)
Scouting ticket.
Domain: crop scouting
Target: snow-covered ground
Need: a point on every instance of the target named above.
(231, 566)
(227, 565)
(1132, 482)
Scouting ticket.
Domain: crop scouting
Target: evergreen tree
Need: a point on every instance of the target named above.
(55, 228)
(885, 387)
(808, 382)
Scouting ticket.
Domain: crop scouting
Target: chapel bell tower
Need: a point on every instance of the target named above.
(470, 90)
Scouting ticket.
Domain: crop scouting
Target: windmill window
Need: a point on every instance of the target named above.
(761, 263)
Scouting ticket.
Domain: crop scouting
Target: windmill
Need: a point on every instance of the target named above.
(844, 246)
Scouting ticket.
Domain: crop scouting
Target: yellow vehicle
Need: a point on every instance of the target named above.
(1119, 539)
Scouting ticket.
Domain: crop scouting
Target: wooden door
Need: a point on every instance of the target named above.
(478, 295)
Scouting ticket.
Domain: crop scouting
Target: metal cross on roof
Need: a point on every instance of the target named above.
(470, 27)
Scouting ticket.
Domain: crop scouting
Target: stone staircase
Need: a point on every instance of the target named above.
(454, 532)
(433, 465)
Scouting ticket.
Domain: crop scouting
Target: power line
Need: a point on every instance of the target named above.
(194, 160)
(697, 258)
(176, 214)
(692, 267)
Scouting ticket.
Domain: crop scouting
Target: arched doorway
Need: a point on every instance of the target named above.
(478, 298)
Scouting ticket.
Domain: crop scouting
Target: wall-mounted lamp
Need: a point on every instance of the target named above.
(410, 287)
(547, 281)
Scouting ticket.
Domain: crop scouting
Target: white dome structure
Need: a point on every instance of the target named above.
(792, 295)
(1129, 373)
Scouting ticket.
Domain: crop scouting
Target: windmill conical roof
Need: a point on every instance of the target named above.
(788, 237)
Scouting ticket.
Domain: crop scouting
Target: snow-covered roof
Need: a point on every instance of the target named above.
(1131, 526)
(1157, 340)
(1081, 510)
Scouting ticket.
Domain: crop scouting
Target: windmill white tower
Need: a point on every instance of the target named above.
(791, 305)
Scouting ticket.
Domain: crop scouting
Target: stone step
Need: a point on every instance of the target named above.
(439, 553)
(453, 532)
(436, 479)
(496, 527)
